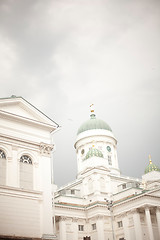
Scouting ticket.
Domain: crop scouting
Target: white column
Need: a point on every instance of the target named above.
(62, 228)
(126, 227)
(75, 228)
(149, 223)
(137, 226)
(158, 219)
(100, 228)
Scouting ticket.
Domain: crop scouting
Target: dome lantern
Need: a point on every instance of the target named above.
(151, 167)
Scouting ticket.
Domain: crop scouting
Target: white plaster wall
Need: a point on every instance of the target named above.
(22, 214)
(127, 193)
(19, 216)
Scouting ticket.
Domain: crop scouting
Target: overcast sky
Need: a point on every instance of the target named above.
(63, 55)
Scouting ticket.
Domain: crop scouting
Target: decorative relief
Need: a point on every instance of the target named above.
(62, 218)
(133, 211)
(46, 148)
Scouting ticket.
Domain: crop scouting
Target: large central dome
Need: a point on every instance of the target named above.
(93, 123)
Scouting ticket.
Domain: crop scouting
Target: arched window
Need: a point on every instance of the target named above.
(3, 165)
(26, 159)
(109, 160)
(26, 172)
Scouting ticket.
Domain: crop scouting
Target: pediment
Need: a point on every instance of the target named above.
(18, 106)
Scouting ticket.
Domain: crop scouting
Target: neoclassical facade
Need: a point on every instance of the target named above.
(102, 204)
(25, 171)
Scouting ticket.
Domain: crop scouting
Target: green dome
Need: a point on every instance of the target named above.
(93, 152)
(151, 167)
(93, 123)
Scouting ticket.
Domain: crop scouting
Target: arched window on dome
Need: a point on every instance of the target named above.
(3, 167)
(110, 160)
(26, 172)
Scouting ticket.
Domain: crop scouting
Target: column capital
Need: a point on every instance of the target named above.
(134, 210)
(74, 219)
(46, 148)
(99, 217)
(123, 215)
(147, 207)
(62, 218)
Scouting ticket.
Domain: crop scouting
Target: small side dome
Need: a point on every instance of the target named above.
(93, 123)
(151, 167)
(93, 152)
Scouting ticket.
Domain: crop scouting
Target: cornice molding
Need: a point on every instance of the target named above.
(27, 121)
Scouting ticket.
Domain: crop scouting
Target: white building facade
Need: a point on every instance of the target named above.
(101, 204)
(25, 171)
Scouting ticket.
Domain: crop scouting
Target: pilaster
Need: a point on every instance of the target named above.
(13, 169)
(137, 224)
(47, 225)
(126, 226)
(62, 228)
(100, 227)
(149, 223)
(75, 228)
(158, 219)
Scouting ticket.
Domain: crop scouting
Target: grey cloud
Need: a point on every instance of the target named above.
(64, 55)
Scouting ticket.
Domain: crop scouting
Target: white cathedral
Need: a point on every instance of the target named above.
(101, 204)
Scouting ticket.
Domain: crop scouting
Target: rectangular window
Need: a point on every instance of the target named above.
(109, 160)
(3, 171)
(72, 191)
(94, 226)
(26, 175)
(120, 224)
(80, 227)
(124, 186)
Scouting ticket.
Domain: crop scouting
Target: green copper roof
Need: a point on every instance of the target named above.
(93, 123)
(93, 152)
(151, 167)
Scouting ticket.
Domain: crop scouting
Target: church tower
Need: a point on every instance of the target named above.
(96, 146)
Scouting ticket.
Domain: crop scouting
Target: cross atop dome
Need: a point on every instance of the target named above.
(92, 108)
(92, 111)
